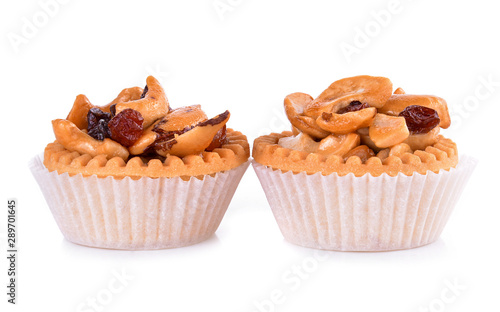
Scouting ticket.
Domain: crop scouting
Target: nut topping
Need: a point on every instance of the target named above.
(347, 122)
(354, 106)
(294, 109)
(74, 139)
(153, 106)
(193, 140)
(331, 145)
(398, 102)
(364, 109)
(140, 122)
(374, 91)
(387, 131)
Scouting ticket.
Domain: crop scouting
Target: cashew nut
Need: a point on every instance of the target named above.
(331, 145)
(387, 131)
(195, 140)
(348, 122)
(152, 107)
(367, 89)
(73, 139)
(79, 111)
(294, 108)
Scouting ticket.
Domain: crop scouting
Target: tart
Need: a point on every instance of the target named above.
(363, 169)
(139, 174)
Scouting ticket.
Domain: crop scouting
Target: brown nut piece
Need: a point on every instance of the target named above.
(73, 139)
(82, 105)
(153, 106)
(348, 122)
(331, 145)
(362, 151)
(294, 109)
(300, 142)
(421, 141)
(176, 120)
(374, 91)
(387, 131)
(399, 149)
(366, 140)
(147, 139)
(219, 140)
(79, 111)
(196, 140)
(398, 102)
(180, 118)
(126, 95)
(399, 91)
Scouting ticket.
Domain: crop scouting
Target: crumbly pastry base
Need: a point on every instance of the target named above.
(367, 213)
(443, 155)
(231, 155)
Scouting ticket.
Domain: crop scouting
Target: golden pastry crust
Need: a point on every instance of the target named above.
(232, 154)
(442, 155)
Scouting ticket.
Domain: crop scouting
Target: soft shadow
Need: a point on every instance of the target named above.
(76, 250)
(425, 253)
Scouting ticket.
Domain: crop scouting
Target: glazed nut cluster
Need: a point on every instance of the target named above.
(361, 116)
(139, 122)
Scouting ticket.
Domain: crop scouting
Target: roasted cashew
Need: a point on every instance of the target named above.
(148, 137)
(73, 139)
(331, 145)
(294, 108)
(153, 106)
(399, 91)
(82, 105)
(180, 118)
(79, 111)
(366, 140)
(386, 131)
(374, 91)
(127, 95)
(362, 151)
(196, 140)
(348, 122)
(176, 120)
(421, 141)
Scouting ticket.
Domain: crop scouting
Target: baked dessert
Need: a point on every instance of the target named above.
(363, 169)
(138, 174)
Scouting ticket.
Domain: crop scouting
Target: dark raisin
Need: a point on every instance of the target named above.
(112, 109)
(353, 107)
(126, 127)
(219, 139)
(143, 95)
(98, 124)
(420, 119)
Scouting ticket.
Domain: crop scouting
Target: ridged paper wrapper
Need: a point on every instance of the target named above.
(349, 213)
(137, 214)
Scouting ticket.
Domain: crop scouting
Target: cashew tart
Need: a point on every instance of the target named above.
(139, 174)
(363, 168)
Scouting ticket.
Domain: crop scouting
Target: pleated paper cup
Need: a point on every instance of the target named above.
(137, 214)
(367, 213)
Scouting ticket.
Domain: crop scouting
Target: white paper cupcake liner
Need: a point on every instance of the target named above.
(365, 213)
(136, 214)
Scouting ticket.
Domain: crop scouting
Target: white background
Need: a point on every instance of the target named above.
(247, 60)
